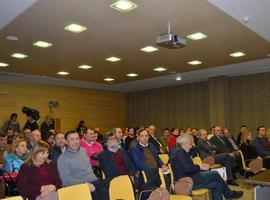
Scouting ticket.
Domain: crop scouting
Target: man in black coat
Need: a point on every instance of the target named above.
(154, 140)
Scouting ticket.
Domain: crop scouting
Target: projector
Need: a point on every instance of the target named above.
(170, 41)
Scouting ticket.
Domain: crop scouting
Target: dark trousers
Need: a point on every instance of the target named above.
(225, 160)
(101, 192)
(213, 181)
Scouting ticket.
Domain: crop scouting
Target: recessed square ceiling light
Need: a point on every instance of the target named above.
(178, 78)
(124, 5)
(19, 55)
(63, 73)
(149, 49)
(113, 59)
(195, 62)
(76, 28)
(237, 54)
(42, 44)
(160, 69)
(108, 79)
(85, 67)
(132, 75)
(196, 36)
(3, 64)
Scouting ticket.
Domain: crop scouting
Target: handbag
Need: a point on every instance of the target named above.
(11, 185)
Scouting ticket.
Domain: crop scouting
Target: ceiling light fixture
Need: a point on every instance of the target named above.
(12, 38)
(149, 49)
(196, 36)
(178, 78)
(194, 62)
(19, 55)
(63, 73)
(113, 59)
(42, 44)
(160, 69)
(124, 5)
(237, 54)
(3, 64)
(85, 67)
(108, 79)
(132, 75)
(76, 28)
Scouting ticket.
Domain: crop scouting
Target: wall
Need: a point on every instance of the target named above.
(223, 101)
(98, 108)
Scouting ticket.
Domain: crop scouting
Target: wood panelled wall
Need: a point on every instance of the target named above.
(98, 108)
(178, 106)
(223, 101)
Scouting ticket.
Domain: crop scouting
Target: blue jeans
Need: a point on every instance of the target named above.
(213, 181)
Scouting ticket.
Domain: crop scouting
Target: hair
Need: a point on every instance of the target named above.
(81, 123)
(243, 126)
(107, 137)
(183, 139)
(69, 133)
(40, 146)
(13, 115)
(86, 129)
(15, 144)
(166, 129)
(259, 127)
(201, 130)
(243, 138)
(141, 130)
(128, 129)
(173, 129)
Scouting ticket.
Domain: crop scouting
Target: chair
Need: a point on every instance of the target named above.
(121, 188)
(14, 198)
(80, 191)
(164, 158)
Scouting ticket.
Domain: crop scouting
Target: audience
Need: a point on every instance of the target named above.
(261, 143)
(154, 140)
(227, 134)
(172, 138)
(34, 138)
(183, 166)
(99, 135)
(12, 124)
(38, 178)
(46, 126)
(3, 147)
(59, 147)
(119, 136)
(242, 130)
(164, 138)
(130, 137)
(15, 157)
(10, 135)
(74, 168)
(93, 149)
(115, 161)
(50, 138)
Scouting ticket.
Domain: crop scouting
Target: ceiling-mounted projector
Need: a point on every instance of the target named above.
(170, 41)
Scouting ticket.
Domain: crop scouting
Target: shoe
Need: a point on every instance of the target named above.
(232, 182)
(237, 194)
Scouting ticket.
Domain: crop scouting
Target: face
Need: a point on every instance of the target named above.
(131, 132)
(203, 134)
(73, 141)
(143, 137)
(118, 133)
(10, 133)
(152, 129)
(97, 130)
(41, 157)
(60, 140)
(50, 140)
(218, 131)
(3, 143)
(35, 136)
(195, 132)
(166, 133)
(242, 129)
(187, 146)
(14, 118)
(27, 133)
(112, 142)
(261, 131)
(176, 131)
(249, 136)
(226, 132)
(90, 135)
(21, 148)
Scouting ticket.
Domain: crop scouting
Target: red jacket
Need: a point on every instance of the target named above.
(29, 180)
(172, 141)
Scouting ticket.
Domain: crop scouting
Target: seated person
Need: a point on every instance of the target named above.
(172, 138)
(155, 141)
(38, 177)
(206, 148)
(14, 158)
(248, 149)
(227, 134)
(145, 158)
(182, 166)
(130, 137)
(49, 138)
(3, 147)
(115, 161)
(59, 147)
(34, 138)
(261, 143)
(74, 168)
(93, 149)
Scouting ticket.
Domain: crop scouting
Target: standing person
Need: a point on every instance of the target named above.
(12, 123)
(46, 126)
(38, 177)
(74, 168)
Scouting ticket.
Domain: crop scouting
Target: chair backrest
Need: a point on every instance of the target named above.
(121, 188)
(159, 194)
(197, 160)
(210, 160)
(80, 191)
(183, 186)
(242, 160)
(14, 198)
(256, 165)
(164, 158)
(163, 183)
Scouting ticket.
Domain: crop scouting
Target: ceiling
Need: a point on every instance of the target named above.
(112, 33)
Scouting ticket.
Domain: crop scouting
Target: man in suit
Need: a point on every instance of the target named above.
(154, 140)
(182, 166)
(227, 134)
(206, 148)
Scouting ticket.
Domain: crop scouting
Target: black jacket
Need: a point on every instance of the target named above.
(222, 147)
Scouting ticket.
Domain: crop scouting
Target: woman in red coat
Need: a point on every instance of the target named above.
(172, 138)
(38, 177)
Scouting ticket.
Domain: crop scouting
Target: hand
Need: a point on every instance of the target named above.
(162, 151)
(231, 155)
(44, 194)
(259, 157)
(48, 188)
(91, 187)
(204, 167)
(164, 168)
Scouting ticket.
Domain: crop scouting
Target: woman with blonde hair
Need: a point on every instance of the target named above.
(15, 157)
(38, 178)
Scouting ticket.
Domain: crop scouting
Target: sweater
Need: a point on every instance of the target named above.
(74, 167)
